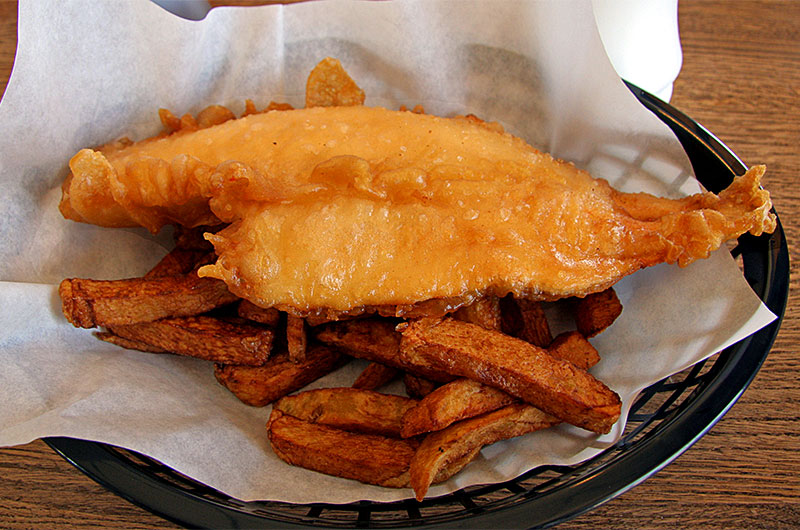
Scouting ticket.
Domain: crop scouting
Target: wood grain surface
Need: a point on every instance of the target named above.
(741, 79)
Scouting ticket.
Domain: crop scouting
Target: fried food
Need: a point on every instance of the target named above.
(595, 312)
(296, 338)
(418, 387)
(258, 386)
(375, 375)
(368, 458)
(525, 319)
(517, 367)
(464, 439)
(572, 346)
(349, 409)
(375, 340)
(203, 337)
(484, 311)
(248, 310)
(455, 401)
(107, 336)
(429, 207)
(91, 303)
(179, 261)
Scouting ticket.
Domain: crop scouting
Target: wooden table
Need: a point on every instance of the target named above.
(741, 79)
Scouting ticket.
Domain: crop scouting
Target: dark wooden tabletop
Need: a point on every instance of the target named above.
(741, 79)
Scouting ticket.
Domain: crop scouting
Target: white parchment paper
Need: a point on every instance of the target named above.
(89, 71)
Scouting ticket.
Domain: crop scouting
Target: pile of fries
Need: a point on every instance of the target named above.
(476, 371)
(476, 374)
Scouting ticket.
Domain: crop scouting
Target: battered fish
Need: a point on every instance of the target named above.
(344, 207)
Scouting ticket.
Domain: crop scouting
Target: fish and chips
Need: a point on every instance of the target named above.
(425, 246)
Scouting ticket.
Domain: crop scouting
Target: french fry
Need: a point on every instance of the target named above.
(418, 387)
(368, 458)
(375, 375)
(441, 448)
(484, 312)
(258, 386)
(455, 401)
(91, 303)
(525, 319)
(330, 85)
(572, 346)
(179, 261)
(597, 311)
(128, 343)
(205, 338)
(374, 339)
(296, 338)
(250, 311)
(515, 366)
(349, 409)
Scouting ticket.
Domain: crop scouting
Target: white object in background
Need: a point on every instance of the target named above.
(641, 39)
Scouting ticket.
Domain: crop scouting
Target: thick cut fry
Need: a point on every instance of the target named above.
(375, 375)
(349, 409)
(368, 458)
(525, 319)
(329, 85)
(91, 303)
(258, 386)
(572, 346)
(455, 401)
(296, 338)
(374, 340)
(180, 261)
(515, 366)
(484, 311)
(205, 338)
(467, 437)
(128, 343)
(595, 312)
(248, 310)
(418, 387)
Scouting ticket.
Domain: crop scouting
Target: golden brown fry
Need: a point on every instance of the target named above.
(296, 338)
(455, 401)
(329, 85)
(261, 385)
(525, 319)
(204, 337)
(375, 375)
(349, 409)
(128, 343)
(374, 340)
(90, 303)
(368, 458)
(484, 311)
(596, 311)
(250, 311)
(180, 261)
(572, 346)
(515, 366)
(441, 448)
(418, 387)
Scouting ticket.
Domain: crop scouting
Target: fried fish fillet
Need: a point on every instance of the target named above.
(343, 207)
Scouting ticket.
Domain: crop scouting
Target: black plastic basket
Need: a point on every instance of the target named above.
(664, 421)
